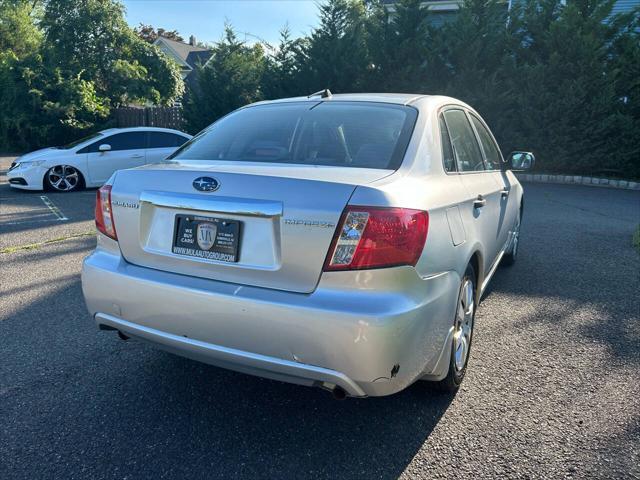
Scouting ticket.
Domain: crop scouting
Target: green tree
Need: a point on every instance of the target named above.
(18, 30)
(563, 85)
(335, 56)
(150, 34)
(230, 79)
(91, 38)
(282, 68)
(85, 35)
(398, 46)
(40, 106)
(466, 56)
(65, 64)
(624, 69)
(144, 75)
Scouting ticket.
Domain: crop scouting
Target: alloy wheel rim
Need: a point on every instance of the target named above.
(463, 325)
(63, 178)
(516, 237)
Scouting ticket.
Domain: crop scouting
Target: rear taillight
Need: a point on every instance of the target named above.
(376, 237)
(104, 215)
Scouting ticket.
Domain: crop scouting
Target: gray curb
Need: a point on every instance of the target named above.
(578, 180)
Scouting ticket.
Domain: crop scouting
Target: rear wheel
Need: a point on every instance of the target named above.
(462, 333)
(511, 255)
(63, 178)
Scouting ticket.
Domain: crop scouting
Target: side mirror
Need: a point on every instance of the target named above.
(105, 147)
(521, 161)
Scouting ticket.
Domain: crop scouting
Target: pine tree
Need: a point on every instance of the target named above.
(230, 79)
(335, 55)
(566, 106)
(282, 69)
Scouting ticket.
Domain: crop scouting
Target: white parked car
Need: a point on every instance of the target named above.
(90, 161)
(339, 241)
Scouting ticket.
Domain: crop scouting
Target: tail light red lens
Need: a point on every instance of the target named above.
(376, 237)
(104, 215)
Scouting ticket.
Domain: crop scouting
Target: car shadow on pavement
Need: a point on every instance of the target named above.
(91, 405)
(569, 310)
(576, 261)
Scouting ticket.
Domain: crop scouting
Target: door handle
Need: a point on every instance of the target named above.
(479, 202)
(137, 155)
(504, 193)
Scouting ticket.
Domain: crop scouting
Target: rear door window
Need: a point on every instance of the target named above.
(465, 146)
(491, 152)
(164, 140)
(127, 141)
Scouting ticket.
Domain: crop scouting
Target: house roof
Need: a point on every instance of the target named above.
(192, 55)
(198, 58)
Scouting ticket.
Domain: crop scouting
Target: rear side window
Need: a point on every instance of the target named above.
(346, 134)
(491, 152)
(120, 141)
(448, 159)
(164, 140)
(465, 146)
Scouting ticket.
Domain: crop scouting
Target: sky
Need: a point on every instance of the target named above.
(205, 18)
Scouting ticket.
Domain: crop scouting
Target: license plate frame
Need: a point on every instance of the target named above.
(190, 239)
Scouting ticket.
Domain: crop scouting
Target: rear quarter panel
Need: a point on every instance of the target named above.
(421, 183)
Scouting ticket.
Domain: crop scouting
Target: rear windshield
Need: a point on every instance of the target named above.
(345, 134)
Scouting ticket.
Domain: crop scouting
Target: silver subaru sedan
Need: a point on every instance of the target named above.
(337, 241)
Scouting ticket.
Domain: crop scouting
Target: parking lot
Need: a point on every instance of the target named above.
(552, 389)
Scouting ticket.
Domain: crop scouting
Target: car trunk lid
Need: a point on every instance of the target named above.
(286, 222)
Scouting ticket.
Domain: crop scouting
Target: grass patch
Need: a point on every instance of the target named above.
(636, 239)
(34, 246)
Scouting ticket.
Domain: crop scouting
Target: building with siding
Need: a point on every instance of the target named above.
(625, 6)
(445, 10)
(440, 11)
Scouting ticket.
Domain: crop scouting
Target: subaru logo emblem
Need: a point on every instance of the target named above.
(206, 184)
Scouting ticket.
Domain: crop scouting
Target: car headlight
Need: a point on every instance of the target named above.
(35, 163)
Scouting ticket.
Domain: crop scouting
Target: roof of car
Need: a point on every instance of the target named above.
(396, 98)
(145, 129)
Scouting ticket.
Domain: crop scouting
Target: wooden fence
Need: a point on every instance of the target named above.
(165, 117)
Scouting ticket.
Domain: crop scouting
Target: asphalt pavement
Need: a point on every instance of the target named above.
(552, 389)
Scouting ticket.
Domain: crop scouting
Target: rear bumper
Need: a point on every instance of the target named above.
(232, 359)
(352, 331)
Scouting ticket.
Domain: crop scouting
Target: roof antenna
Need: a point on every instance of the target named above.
(326, 93)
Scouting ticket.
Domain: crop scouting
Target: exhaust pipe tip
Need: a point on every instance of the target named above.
(339, 393)
(122, 336)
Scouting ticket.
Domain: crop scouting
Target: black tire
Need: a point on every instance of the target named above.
(511, 256)
(63, 179)
(455, 375)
